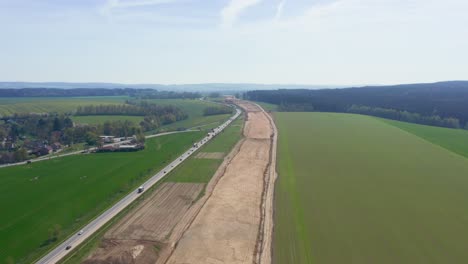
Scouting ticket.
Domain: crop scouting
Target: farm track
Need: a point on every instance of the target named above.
(234, 225)
(148, 226)
(155, 218)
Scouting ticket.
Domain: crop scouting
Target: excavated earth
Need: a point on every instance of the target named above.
(231, 223)
(230, 226)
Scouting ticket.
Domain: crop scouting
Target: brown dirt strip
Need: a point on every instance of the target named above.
(265, 241)
(139, 236)
(228, 226)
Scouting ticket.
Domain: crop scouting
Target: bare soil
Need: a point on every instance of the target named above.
(139, 236)
(230, 225)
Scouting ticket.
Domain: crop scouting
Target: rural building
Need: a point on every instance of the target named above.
(107, 139)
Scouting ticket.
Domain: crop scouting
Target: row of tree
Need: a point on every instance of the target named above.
(433, 120)
(170, 95)
(447, 100)
(217, 110)
(21, 133)
(35, 125)
(56, 92)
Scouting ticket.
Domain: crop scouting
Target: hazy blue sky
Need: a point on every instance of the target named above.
(260, 41)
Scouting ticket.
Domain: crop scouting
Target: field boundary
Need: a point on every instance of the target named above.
(263, 248)
(420, 137)
(193, 211)
(127, 200)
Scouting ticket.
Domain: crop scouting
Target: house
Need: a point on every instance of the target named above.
(56, 146)
(44, 150)
(107, 139)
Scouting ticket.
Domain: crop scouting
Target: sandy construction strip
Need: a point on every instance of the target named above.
(228, 226)
(155, 219)
(144, 231)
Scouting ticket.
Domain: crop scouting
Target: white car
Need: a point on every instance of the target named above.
(80, 233)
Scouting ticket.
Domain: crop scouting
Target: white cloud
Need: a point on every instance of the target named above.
(232, 11)
(111, 5)
(279, 9)
(128, 3)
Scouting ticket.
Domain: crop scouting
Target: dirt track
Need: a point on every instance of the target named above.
(144, 231)
(232, 225)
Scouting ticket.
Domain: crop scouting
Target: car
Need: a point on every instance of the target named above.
(81, 232)
(164, 171)
(68, 247)
(180, 159)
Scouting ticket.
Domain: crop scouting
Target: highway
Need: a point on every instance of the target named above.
(73, 241)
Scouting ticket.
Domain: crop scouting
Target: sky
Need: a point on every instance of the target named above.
(320, 42)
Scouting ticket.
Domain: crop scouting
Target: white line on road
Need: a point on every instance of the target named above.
(61, 250)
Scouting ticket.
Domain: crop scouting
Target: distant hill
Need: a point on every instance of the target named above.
(203, 87)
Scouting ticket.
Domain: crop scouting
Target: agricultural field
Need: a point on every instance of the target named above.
(455, 140)
(148, 227)
(67, 192)
(200, 170)
(194, 108)
(356, 189)
(10, 106)
(268, 106)
(99, 119)
(192, 173)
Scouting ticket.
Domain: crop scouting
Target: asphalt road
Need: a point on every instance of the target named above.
(60, 251)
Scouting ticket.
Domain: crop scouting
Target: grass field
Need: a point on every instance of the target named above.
(53, 104)
(201, 170)
(192, 170)
(194, 108)
(455, 140)
(70, 191)
(268, 107)
(355, 189)
(99, 119)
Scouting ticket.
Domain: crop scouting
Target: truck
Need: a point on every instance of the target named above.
(140, 189)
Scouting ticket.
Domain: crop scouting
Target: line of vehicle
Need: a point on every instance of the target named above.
(77, 238)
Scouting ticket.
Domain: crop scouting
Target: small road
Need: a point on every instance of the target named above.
(61, 250)
(90, 149)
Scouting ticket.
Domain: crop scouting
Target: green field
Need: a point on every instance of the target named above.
(355, 189)
(455, 140)
(9, 106)
(69, 191)
(194, 108)
(192, 170)
(267, 106)
(201, 170)
(99, 119)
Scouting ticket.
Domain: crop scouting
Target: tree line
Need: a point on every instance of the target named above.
(217, 110)
(57, 92)
(445, 100)
(433, 120)
(154, 115)
(23, 133)
(170, 95)
(143, 93)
